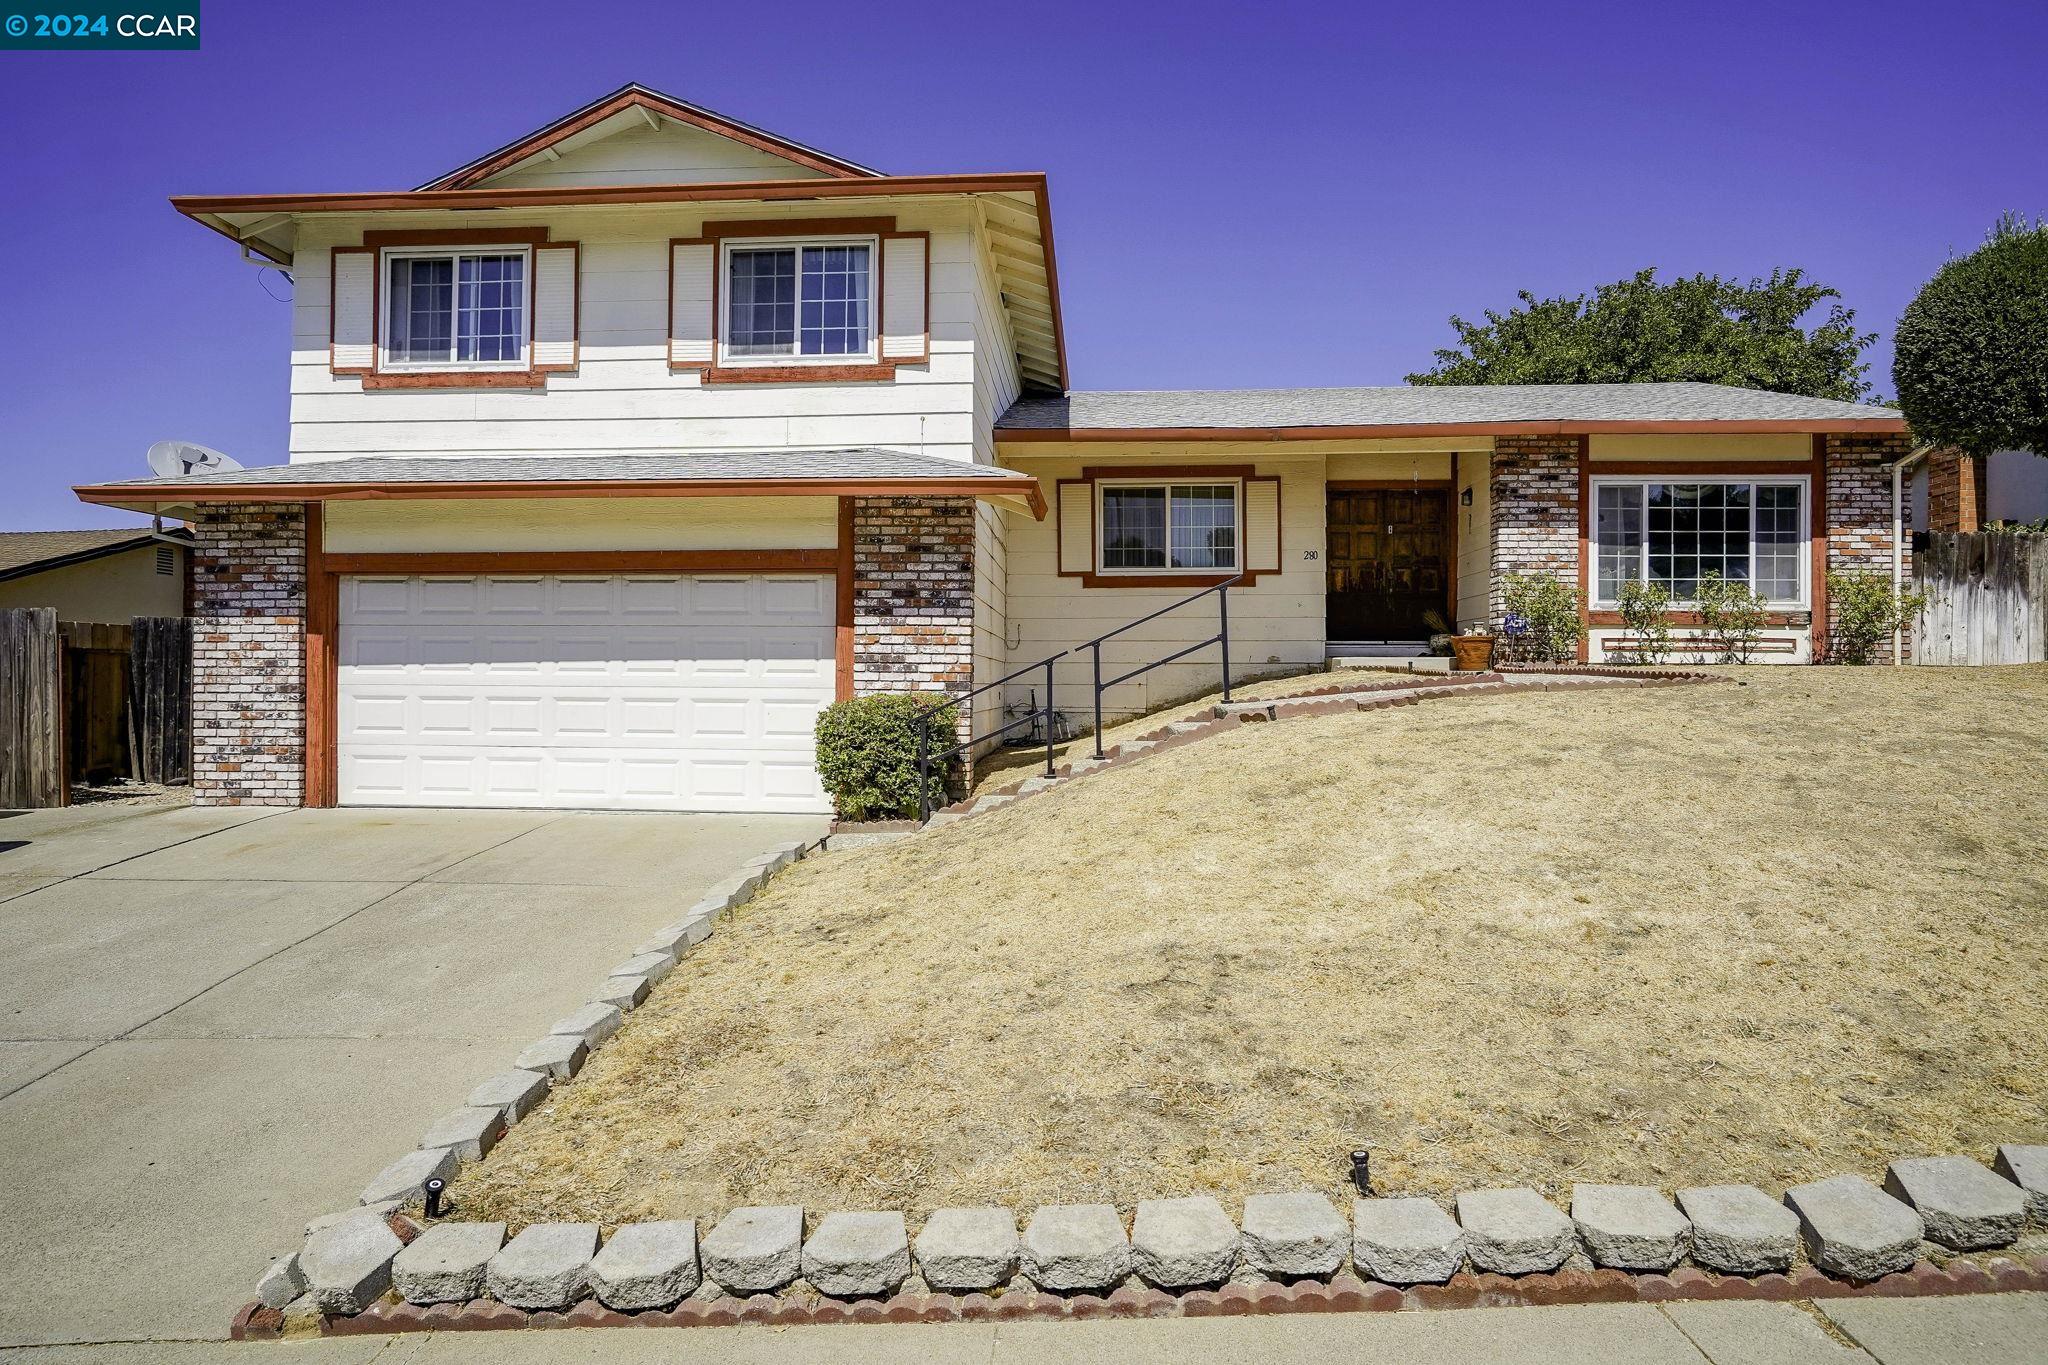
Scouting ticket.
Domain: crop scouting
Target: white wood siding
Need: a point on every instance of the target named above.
(996, 386)
(1275, 623)
(1475, 535)
(674, 154)
(623, 397)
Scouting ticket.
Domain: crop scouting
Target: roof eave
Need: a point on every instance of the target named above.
(1676, 427)
(154, 496)
(140, 540)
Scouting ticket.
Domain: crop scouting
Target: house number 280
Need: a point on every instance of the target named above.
(1310, 554)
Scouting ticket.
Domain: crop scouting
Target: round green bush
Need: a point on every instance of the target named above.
(867, 755)
(1971, 352)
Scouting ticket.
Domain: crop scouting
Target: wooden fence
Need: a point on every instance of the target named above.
(31, 709)
(89, 701)
(1987, 598)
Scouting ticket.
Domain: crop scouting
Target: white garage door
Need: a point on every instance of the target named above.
(616, 692)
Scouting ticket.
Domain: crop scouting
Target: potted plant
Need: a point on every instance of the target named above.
(1472, 652)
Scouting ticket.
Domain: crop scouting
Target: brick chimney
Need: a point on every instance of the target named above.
(1955, 491)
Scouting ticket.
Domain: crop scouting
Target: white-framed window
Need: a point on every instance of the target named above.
(457, 308)
(1153, 526)
(1674, 532)
(799, 301)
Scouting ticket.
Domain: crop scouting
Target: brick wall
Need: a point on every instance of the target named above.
(248, 656)
(913, 595)
(1859, 507)
(1534, 511)
(1955, 491)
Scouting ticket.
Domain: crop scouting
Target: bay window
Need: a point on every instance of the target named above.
(1161, 527)
(1675, 533)
(800, 301)
(464, 308)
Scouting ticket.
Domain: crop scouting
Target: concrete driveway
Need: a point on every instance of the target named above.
(215, 1024)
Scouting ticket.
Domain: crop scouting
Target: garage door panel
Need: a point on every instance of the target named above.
(642, 692)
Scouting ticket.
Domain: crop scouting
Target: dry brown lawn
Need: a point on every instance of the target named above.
(1758, 933)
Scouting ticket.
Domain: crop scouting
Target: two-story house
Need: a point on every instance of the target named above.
(619, 452)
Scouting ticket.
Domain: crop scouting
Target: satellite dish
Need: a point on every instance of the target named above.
(176, 459)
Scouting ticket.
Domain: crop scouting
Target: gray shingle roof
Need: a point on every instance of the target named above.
(1394, 405)
(26, 552)
(754, 464)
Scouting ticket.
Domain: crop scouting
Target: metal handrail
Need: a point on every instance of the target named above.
(1222, 637)
(925, 756)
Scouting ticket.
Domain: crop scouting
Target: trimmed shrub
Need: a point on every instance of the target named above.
(867, 755)
(1971, 351)
(1864, 614)
(1732, 617)
(1542, 624)
(1643, 605)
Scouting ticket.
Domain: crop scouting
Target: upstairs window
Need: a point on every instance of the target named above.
(455, 308)
(1676, 533)
(802, 301)
(1161, 527)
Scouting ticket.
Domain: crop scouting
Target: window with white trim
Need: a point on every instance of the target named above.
(1675, 533)
(464, 308)
(799, 301)
(1165, 527)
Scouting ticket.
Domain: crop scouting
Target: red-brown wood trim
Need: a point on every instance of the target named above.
(321, 662)
(565, 128)
(548, 196)
(378, 239)
(1091, 578)
(1052, 280)
(585, 561)
(114, 495)
(924, 355)
(881, 225)
(798, 374)
(1777, 619)
(459, 379)
(1817, 545)
(1385, 485)
(842, 592)
(1677, 470)
(575, 309)
(1585, 645)
(331, 295)
(1021, 435)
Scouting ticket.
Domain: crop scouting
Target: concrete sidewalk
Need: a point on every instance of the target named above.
(216, 1024)
(2010, 1329)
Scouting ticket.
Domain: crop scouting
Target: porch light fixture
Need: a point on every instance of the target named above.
(1465, 498)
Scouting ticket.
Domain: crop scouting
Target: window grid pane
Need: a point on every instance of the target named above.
(1695, 529)
(1618, 529)
(491, 306)
(1204, 526)
(835, 301)
(761, 313)
(1777, 542)
(1134, 528)
(422, 308)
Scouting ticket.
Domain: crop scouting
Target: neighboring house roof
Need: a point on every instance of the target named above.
(860, 471)
(636, 97)
(31, 552)
(1393, 410)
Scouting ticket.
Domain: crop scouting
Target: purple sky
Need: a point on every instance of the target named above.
(1249, 195)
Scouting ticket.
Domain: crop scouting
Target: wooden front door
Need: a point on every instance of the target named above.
(1388, 552)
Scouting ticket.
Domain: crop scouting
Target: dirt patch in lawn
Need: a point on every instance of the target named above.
(1722, 933)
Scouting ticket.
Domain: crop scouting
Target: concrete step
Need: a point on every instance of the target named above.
(1423, 663)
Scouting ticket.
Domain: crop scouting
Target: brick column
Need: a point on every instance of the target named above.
(1955, 491)
(1859, 508)
(248, 656)
(913, 596)
(1534, 512)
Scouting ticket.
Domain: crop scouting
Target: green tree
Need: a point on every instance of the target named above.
(1971, 353)
(1700, 327)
